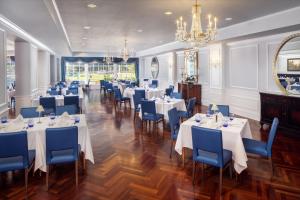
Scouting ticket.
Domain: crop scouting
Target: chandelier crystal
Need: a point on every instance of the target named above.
(108, 59)
(196, 37)
(125, 52)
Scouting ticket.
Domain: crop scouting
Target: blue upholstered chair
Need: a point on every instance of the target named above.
(14, 153)
(109, 88)
(29, 112)
(208, 149)
(174, 121)
(149, 113)
(224, 109)
(133, 84)
(53, 92)
(176, 95)
(48, 104)
(62, 147)
(260, 148)
(102, 85)
(154, 83)
(70, 109)
(146, 79)
(72, 100)
(137, 102)
(120, 99)
(190, 109)
(73, 90)
(140, 93)
(169, 91)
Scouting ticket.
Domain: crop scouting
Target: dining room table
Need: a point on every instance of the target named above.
(233, 131)
(36, 134)
(162, 106)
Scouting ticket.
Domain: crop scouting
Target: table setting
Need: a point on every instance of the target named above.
(36, 128)
(233, 130)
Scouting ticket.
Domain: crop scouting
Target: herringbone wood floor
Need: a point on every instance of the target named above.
(134, 165)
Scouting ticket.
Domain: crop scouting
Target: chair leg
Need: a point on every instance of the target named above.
(47, 177)
(272, 166)
(171, 148)
(76, 172)
(221, 176)
(231, 166)
(26, 181)
(194, 166)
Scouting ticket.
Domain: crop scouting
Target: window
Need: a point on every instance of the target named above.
(96, 71)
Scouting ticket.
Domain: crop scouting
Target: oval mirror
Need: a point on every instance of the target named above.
(286, 66)
(154, 67)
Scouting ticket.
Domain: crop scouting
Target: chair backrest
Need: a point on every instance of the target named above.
(29, 112)
(209, 141)
(191, 105)
(140, 93)
(14, 145)
(224, 109)
(70, 109)
(71, 100)
(154, 83)
(58, 139)
(73, 90)
(136, 101)
(169, 91)
(118, 94)
(48, 102)
(53, 92)
(272, 135)
(174, 120)
(148, 107)
(109, 86)
(176, 95)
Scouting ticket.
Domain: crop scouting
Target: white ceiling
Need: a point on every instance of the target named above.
(113, 20)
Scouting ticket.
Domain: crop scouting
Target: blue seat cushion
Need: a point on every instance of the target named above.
(212, 158)
(15, 163)
(255, 147)
(184, 114)
(63, 156)
(152, 117)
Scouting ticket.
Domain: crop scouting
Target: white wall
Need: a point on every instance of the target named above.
(43, 71)
(230, 73)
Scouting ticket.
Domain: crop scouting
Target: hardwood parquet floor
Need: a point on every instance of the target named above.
(133, 165)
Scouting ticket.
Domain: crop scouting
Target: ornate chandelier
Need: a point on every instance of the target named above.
(108, 59)
(196, 37)
(125, 52)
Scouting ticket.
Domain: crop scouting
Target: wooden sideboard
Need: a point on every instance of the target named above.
(286, 108)
(190, 90)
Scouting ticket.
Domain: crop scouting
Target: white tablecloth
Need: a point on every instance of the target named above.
(149, 93)
(59, 100)
(163, 106)
(232, 138)
(37, 141)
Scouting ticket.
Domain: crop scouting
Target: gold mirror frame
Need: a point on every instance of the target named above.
(275, 76)
(188, 53)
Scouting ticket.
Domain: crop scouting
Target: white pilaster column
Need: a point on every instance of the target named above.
(24, 79)
(52, 69)
(58, 69)
(43, 71)
(3, 93)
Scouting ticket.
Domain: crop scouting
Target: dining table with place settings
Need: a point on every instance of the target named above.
(233, 130)
(36, 134)
(149, 93)
(162, 106)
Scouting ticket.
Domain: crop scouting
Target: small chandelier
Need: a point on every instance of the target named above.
(125, 54)
(108, 59)
(196, 37)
